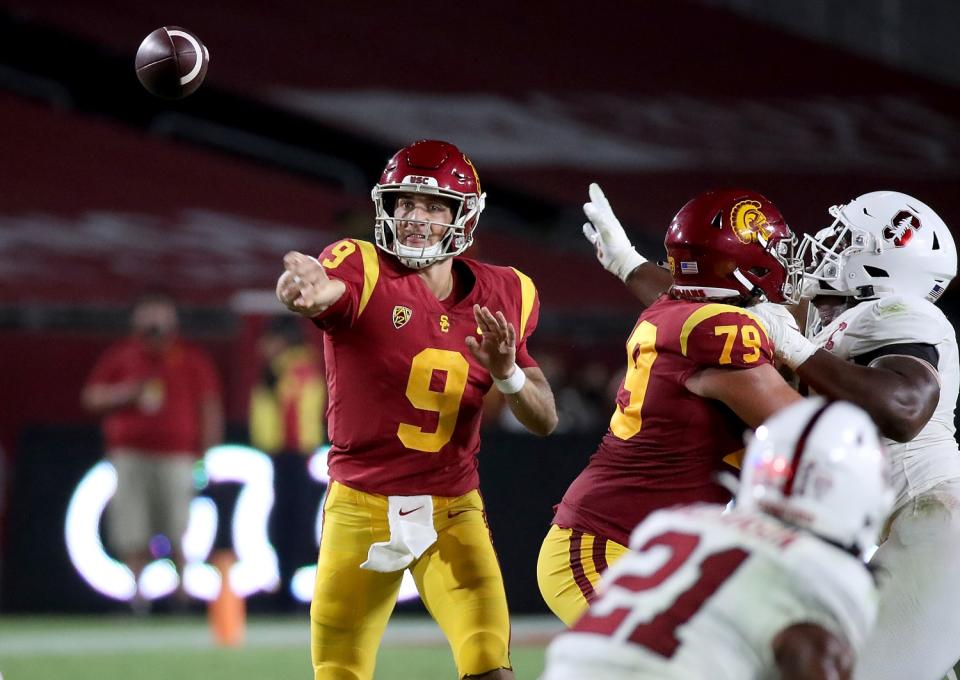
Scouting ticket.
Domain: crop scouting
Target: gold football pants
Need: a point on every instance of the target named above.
(569, 567)
(458, 578)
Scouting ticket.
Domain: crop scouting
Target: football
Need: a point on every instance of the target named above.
(172, 62)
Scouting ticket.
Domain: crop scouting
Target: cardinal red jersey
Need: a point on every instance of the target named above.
(179, 379)
(665, 444)
(405, 393)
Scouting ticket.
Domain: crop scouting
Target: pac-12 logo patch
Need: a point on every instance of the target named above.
(401, 315)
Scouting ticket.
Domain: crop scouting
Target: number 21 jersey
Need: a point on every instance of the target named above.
(703, 594)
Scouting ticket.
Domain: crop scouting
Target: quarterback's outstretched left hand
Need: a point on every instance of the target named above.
(604, 231)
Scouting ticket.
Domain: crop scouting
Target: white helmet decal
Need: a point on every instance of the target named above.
(881, 243)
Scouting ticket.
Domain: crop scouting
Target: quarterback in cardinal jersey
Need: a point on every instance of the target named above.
(415, 335)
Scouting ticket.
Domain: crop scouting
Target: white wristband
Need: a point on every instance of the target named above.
(514, 383)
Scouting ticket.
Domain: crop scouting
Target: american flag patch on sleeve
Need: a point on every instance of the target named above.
(689, 268)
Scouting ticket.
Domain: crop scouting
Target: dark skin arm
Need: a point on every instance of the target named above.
(900, 393)
(806, 651)
(648, 282)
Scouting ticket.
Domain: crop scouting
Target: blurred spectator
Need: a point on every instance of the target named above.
(160, 398)
(287, 421)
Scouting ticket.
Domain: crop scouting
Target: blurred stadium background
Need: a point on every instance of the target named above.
(106, 191)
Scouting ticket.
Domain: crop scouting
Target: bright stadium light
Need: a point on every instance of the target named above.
(200, 580)
(82, 534)
(158, 579)
(256, 568)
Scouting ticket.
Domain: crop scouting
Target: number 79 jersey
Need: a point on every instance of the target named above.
(666, 444)
(703, 594)
(405, 393)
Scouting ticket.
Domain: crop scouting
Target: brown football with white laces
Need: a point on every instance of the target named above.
(172, 62)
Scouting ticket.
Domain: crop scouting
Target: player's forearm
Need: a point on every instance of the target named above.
(310, 300)
(648, 282)
(898, 403)
(101, 399)
(533, 405)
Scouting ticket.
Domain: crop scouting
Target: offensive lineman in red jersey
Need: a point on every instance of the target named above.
(411, 347)
(699, 366)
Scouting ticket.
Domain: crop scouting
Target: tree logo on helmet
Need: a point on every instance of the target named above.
(749, 223)
(901, 228)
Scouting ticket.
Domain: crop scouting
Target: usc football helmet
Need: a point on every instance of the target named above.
(438, 169)
(730, 243)
(880, 243)
(821, 466)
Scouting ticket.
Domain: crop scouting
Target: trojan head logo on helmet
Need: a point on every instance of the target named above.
(438, 169)
(732, 243)
(821, 466)
(881, 243)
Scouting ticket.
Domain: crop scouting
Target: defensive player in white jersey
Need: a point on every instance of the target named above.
(876, 339)
(776, 585)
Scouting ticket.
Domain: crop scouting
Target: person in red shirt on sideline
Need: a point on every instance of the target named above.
(700, 368)
(161, 406)
(415, 336)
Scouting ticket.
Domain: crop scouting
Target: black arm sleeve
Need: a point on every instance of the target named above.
(920, 350)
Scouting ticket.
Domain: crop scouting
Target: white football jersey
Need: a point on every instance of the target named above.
(932, 456)
(703, 594)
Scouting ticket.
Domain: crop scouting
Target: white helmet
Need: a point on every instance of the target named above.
(881, 243)
(820, 465)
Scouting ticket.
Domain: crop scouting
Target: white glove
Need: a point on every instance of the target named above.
(789, 345)
(614, 250)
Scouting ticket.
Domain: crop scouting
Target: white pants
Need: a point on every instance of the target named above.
(917, 636)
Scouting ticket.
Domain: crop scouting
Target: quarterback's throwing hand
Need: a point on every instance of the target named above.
(604, 231)
(304, 286)
(497, 350)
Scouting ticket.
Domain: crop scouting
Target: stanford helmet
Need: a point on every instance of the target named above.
(881, 243)
(821, 466)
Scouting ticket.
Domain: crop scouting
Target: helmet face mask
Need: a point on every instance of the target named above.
(880, 243)
(431, 168)
(820, 466)
(733, 243)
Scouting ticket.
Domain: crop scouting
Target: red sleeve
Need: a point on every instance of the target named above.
(724, 337)
(342, 260)
(109, 368)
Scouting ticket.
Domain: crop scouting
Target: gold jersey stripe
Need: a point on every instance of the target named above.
(371, 272)
(707, 312)
(528, 293)
(735, 458)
